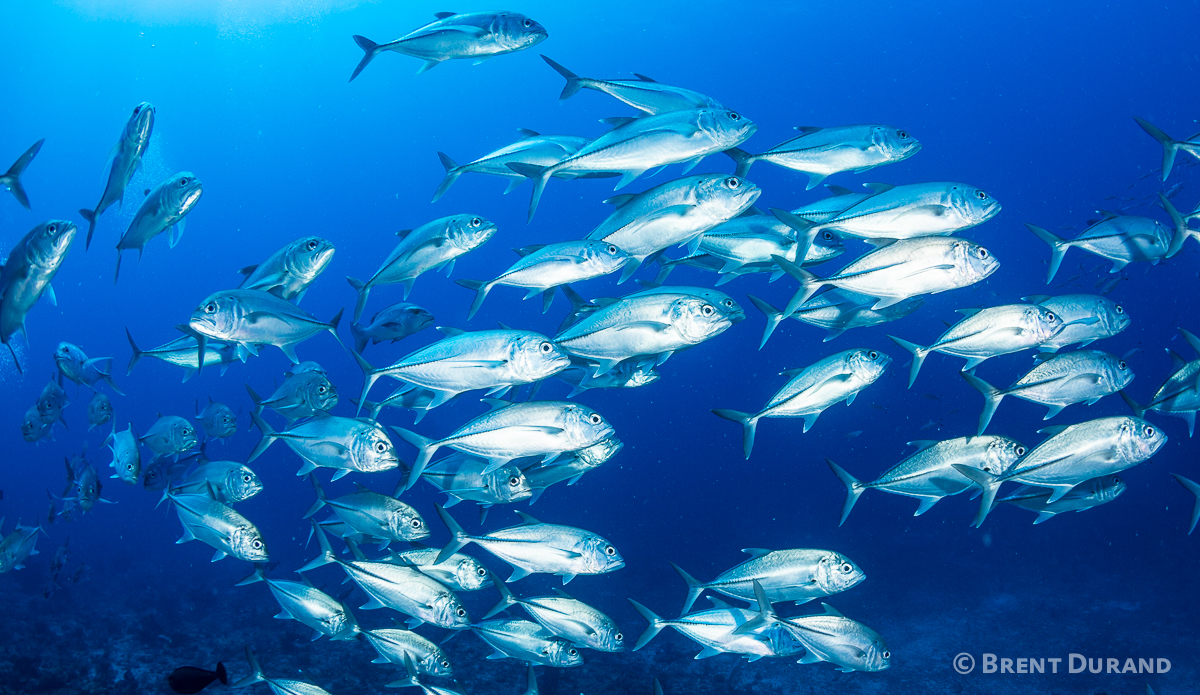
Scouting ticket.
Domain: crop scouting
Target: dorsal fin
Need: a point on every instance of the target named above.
(756, 552)
(644, 78)
(618, 201)
(449, 331)
(1177, 360)
(808, 129)
(836, 190)
(830, 610)
(526, 250)
(1051, 431)
(443, 15)
(526, 519)
(923, 444)
(403, 233)
(527, 133)
(878, 187)
(718, 603)
(496, 403)
(617, 121)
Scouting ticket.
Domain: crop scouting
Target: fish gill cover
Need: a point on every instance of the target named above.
(900, 180)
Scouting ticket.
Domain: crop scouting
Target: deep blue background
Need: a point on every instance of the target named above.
(1030, 101)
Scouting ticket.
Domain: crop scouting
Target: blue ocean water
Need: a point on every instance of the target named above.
(1031, 102)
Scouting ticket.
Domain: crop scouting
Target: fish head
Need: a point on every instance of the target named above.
(140, 124)
(894, 143)
(611, 639)
(435, 663)
(51, 402)
(218, 420)
(509, 484)
(826, 246)
(836, 572)
(600, 452)
(32, 426)
(875, 654)
(48, 244)
(182, 434)
(449, 612)
(340, 624)
(248, 544)
(1002, 453)
(727, 196)
(1113, 316)
(100, 409)
(1108, 488)
(561, 654)
(218, 316)
(371, 449)
(415, 318)
(181, 192)
(972, 205)
(241, 484)
(598, 555)
(1042, 322)
(469, 573)
(404, 522)
(640, 374)
(70, 359)
(604, 257)
(308, 257)
(532, 357)
(515, 31)
(974, 261)
(1138, 440)
(1116, 371)
(724, 127)
(315, 390)
(868, 365)
(127, 467)
(583, 425)
(468, 232)
(697, 319)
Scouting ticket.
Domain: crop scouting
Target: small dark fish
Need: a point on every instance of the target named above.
(876, 406)
(932, 397)
(189, 679)
(1110, 197)
(1173, 191)
(929, 425)
(1111, 285)
(1131, 353)
(852, 435)
(80, 573)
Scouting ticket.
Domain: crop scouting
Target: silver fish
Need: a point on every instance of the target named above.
(228, 482)
(821, 152)
(536, 547)
(310, 606)
(799, 575)
(127, 458)
(125, 160)
(73, 363)
(527, 641)
(1123, 239)
(165, 207)
(571, 619)
(932, 472)
(470, 35)
(754, 239)
(1074, 309)
(715, 630)
(51, 403)
(515, 430)
(463, 477)
(406, 397)
(394, 645)
(219, 526)
(906, 268)
(987, 333)
(436, 244)
(812, 389)
(570, 468)
(185, 352)
(217, 420)
(1170, 145)
(1084, 376)
(373, 514)
(671, 213)
(459, 572)
(17, 546)
(170, 435)
(643, 94)
(626, 375)
(840, 199)
(279, 686)
(342, 443)
(300, 396)
(533, 148)
(1072, 455)
(83, 485)
(100, 410)
(913, 211)
(635, 145)
(11, 179)
(32, 427)
(544, 267)
(1179, 395)
(252, 318)
(31, 265)
(1084, 496)
(288, 272)
(396, 322)
(837, 311)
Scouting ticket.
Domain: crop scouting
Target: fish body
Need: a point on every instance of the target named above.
(469, 35)
(457, 571)
(845, 643)
(466, 478)
(83, 484)
(755, 239)
(302, 602)
(643, 94)
(527, 641)
(533, 149)
(1075, 310)
(1170, 145)
(571, 619)
(932, 473)
(626, 375)
(914, 210)
(1084, 496)
(373, 514)
(279, 686)
(217, 420)
(300, 396)
(571, 467)
(342, 443)
(125, 160)
(821, 152)
(51, 403)
(17, 546)
(32, 426)
(74, 364)
(164, 208)
(187, 353)
(252, 318)
(812, 389)
(170, 435)
(127, 458)
(716, 630)
(799, 575)
(219, 526)
(1179, 395)
(396, 322)
(393, 645)
(288, 272)
(27, 272)
(228, 482)
(837, 311)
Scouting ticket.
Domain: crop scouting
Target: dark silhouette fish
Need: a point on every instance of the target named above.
(11, 179)
(189, 679)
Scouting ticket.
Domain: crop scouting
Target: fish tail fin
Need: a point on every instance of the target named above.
(222, 674)
(507, 600)
(370, 376)
(773, 315)
(748, 421)
(656, 624)
(574, 83)
(452, 174)
(137, 354)
(809, 284)
(664, 270)
(1138, 410)
(358, 332)
(990, 485)
(90, 216)
(1193, 488)
(919, 354)
(370, 48)
(1170, 145)
(425, 448)
(13, 176)
(766, 614)
(321, 499)
(742, 158)
(806, 231)
(363, 292)
(326, 555)
(695, 588)
(1058, 248)
(1181, 230)
(481, 291)
(256, 672)
(854, 488)
(539, 176)
(255, 576)
(268, 436)
(991, 398)
(459, 538)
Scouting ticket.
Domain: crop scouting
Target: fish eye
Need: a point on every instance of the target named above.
(1116, 479)
(514, 481)
(733, 116)
(246, 478)
(475, 221)
(733, 182)
(183, 181)
(1050, 316)
(827, 236)
(257, 544)
(873, 355)
(528, 22)
(728, 303)
(902, 135)
(983, 253)
(137, 109)
(847, 567)
(380, 447)
(445, 664)
(610, 551)
(321, 389)
(312, 245)
(481, 572)
(707, 310)
(51, 228)
(612, 249)
(415, 523)
(461, 612)
(981, 195)
(546, 348)
(1149, 431)
(887, 655)
(1020, 451)
(619, 637)
(1122, 366)
(595, 419)
(1120, 309)
(210, 308)
(571, 652)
